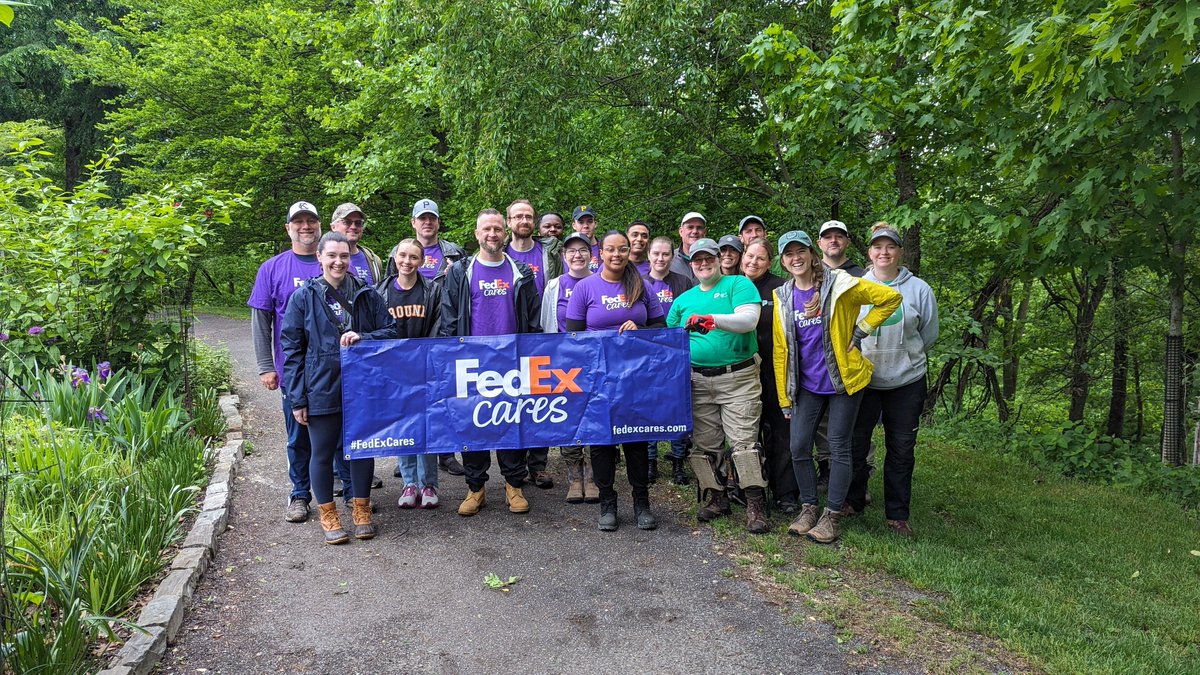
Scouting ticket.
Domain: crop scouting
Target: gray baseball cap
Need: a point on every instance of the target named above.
(731, 241)
(705, 245)
(424, 206)
(886, 233)
(749, 219)
(344, 210)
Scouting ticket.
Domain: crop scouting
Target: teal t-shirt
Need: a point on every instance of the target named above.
(718, 347)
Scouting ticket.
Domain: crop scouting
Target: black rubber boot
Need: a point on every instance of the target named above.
(608, 514)
(641, 510)
(652, 475)
(678, 475)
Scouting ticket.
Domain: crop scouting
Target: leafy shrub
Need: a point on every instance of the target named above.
(207, 417)
(212, 367)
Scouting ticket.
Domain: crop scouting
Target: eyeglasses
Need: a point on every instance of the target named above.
(354, 223)
(576, 251)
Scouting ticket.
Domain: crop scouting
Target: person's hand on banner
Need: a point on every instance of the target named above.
(301, 415)
(349, 338)
(701, 324)
(628, 325)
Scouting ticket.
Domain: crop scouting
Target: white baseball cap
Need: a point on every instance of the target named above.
(302, 207)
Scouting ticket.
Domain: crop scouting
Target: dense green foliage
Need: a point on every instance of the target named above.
(97, 474)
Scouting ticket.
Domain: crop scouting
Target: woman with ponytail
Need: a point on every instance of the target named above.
(616, 299)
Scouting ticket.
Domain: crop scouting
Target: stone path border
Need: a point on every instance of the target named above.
(162, 616)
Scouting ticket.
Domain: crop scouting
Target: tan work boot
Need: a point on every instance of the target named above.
(756, 511)
(717, 506)
(809, 515)
(575, 482)
(516, 499)
(828, 528)
(471, 505)
(363, 527)
(334, 534)
(591, 493)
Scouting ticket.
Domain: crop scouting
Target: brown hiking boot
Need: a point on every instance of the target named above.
(756, 511)
(297, 511)
(516, 499)
(828, 528)
(363, 527)
(591, 493)
(717, 506)
(900, 527)
(809, 515)
(474, 501)
(575, 483)
(334, 534)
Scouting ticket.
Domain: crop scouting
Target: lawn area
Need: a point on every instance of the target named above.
(1074, 577)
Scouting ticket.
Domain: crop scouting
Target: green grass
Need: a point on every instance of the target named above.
(1077, 577)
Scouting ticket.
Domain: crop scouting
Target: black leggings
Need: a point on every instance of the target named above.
(325, 434)
(604, 468)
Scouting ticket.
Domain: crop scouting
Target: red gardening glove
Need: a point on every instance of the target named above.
(701, 324)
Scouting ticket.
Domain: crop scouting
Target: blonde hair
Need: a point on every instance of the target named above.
(763, 242)
(410, 242)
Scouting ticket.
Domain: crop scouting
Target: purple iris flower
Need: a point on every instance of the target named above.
(3, 337)
(79, 376)
(104, 370)
(36, 330)
(96, 414)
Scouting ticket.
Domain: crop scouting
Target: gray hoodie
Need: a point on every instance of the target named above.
(898, 347)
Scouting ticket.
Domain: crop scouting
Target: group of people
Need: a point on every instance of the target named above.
(846, 347)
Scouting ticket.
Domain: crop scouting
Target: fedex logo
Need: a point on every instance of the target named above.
(666, 297)
(430, 263)
(613, 301)
(297, 282)
(496, 287)
(533, 377)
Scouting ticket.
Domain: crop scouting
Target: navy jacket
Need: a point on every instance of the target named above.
(456, 299)
(312, 361)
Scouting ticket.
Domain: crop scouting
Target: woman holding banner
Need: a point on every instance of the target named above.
(576, 251)
(331, 311)
(414, 303)
(616, 299)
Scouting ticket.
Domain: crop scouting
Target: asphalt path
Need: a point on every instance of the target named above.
(276, 599)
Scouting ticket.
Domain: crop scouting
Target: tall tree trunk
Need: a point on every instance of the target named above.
(1119, 396)
(978, 309)
(1080, 381)
(1139, 402)
(1012, 338)
(1173, 433)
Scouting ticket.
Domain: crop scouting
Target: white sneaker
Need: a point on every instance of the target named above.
(429, 497)
(408, 498)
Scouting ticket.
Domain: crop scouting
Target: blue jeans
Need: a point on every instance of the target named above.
(807, 410)
(678, 450)
(420, 470)
(299, 454)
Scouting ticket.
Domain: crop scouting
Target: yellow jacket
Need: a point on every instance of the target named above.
(842, 295)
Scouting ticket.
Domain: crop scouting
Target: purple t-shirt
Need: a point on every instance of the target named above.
(662, 291)
(275, 282)
(566, 288)
(602, 305)
(433, 260)
(643, 269)
(594, 264)
(814, 374)
(493, 311)
(360, 268)
(533, 258)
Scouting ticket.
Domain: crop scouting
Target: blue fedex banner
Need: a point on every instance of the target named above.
(403, 397)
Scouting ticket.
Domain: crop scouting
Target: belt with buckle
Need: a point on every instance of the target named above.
(713, 371)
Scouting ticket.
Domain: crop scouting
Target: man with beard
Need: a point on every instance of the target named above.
(489, 293)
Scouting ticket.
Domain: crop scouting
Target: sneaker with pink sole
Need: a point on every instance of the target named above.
(429, 497)
(408, 498)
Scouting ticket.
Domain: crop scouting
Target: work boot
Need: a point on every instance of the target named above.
(809, 515)
(575, 482)
(652, 475)
(591, 493)
(334, 534)
(474, 501)
(641, 511)
(297, 511)
(756, 510)
(363, 527)
(516, 499)
(450, 464)
(678, 475)
(828, 528)
(717, 506)
(541, 479)
(608, 515)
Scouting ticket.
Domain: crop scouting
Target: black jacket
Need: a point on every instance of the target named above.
(312, 360)
(432, 302)
(451, 253)
(456, 299)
